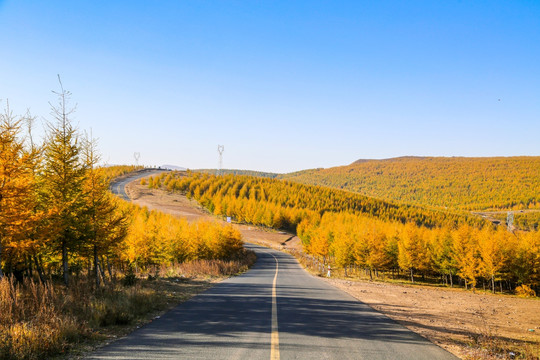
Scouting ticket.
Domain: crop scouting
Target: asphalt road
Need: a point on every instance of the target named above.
(276, 310)
(118, 187)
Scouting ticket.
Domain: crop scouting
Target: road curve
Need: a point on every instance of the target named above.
(118, 186)
(276, 310)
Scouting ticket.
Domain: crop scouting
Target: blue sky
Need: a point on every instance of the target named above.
(284, 85)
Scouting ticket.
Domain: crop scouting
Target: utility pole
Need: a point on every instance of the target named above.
(220, 149)
(510, 221)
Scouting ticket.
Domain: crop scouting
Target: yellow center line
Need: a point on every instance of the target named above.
(274, 343)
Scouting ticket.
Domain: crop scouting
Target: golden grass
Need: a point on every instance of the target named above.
(40, 320)
(488, 346)
(32, 325)
(216, 268)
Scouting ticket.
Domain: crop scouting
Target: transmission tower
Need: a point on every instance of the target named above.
(137, 156)
(220, 149)
(510, 221)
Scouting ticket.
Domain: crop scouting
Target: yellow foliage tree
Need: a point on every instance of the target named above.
(492, 253)
(16, 188)
(465, 249)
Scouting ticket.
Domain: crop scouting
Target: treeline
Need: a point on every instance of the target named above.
(487, 255)
(115, 171)
(456, 183)
(156, 238)
(351, 230)
(57, 216)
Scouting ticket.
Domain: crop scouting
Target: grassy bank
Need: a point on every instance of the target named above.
(42, 320)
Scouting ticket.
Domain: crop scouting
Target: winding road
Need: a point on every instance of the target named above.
(118, 187)
(276, 310)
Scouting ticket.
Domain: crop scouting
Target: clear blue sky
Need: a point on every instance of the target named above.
(284, 85)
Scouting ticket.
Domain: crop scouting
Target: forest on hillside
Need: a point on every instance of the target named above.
(291, 195)
(450, 183)
(352, 230)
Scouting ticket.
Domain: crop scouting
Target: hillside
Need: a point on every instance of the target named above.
(210, 190)
(357, 230)
(456, 183)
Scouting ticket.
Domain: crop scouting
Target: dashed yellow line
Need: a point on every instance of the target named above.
(274, 342)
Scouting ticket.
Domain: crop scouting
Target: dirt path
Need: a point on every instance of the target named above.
(492, 215)
(451, 318)
(179, 205)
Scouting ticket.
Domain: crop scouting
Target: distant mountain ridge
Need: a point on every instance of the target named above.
(173, 167)
(361, 161)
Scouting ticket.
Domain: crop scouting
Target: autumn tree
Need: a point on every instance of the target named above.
(38, 234)
(492, 253)
(16, 185)
(320, 243)
(440, 250)
(64, 174)
(465, 254)
(377, 243)
(341, 248)
(412, 254)
(527, 258)
(105, 223)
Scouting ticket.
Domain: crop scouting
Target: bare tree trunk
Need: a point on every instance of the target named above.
(65, 262)
(39, 269)
(101, 271)
(1, 273)
(30, 271)
(412, 276)
(89, 267)
(96, 266)
(493, 283)
(451, 280)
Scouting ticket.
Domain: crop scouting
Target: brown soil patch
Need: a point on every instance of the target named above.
(174, 204)
(179, 205)
(450, 318)
(453, 318)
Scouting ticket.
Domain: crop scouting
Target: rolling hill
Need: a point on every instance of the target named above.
(457, 183)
